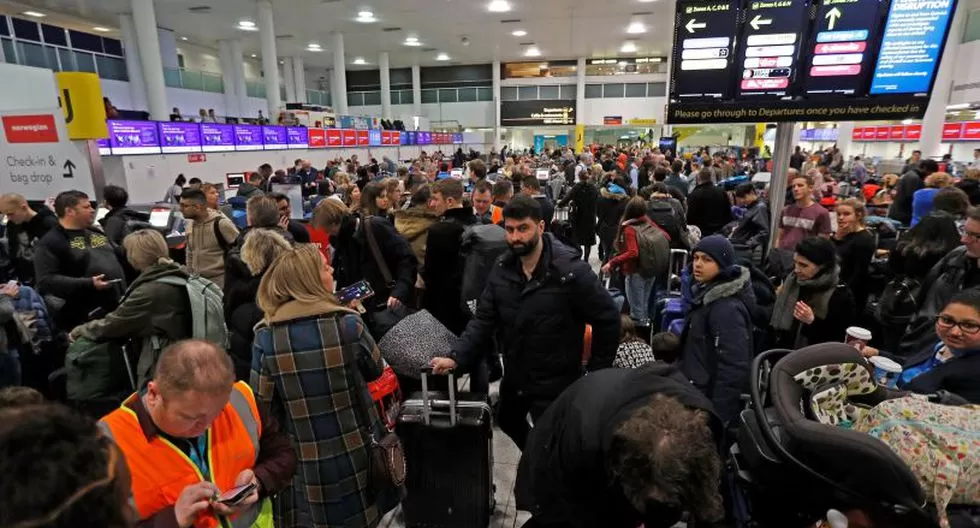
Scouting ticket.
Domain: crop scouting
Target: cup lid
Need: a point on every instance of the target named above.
(858, 332)
(885, 364)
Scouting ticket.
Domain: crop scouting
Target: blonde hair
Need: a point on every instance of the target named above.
(939, 180)
(12, 200)
(972, 174)
(145, 248)
(261, 248)
(341, 178)
(329, 213)
(294, 276)
(860, 211)
(889, 180)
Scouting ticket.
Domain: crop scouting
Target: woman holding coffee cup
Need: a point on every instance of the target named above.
(953, 363)
(812, 306)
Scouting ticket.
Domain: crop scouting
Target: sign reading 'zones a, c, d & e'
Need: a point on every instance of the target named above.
(704, 36)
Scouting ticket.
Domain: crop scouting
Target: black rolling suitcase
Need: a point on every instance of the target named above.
(448, 445)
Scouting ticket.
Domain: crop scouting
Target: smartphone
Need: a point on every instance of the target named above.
(236, 495)
(356, 292)
(114, 281)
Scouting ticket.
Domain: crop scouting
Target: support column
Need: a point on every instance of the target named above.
(270, 62)
(148, 43)
(930, 142)
(134, 66)
(580, 91)
(416, 90)
(299, 79)
(844, 142)
(385, 85)
(238, 64)
(496, 106)
(339, 75)
(289, 79)
(786, 135)
(228, 77)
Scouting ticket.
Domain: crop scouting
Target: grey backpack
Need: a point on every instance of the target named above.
(207, 308)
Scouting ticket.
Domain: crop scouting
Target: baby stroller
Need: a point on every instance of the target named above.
(786, 469)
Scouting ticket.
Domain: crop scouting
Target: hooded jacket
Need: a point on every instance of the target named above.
(609, 209)
(21, 239)
(717, 342)
(413, 224)
(753, 228)
(708, 208)
(116, 223)
(205, 255)
(540, 323)
(563, 475)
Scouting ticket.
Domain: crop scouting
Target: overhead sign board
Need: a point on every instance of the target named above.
(539, 112)
(39, 160)
(805, 60)
(80, 98)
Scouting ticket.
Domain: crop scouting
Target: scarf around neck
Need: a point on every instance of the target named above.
(823, 286)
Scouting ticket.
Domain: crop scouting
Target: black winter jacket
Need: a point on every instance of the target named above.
(354, 262)
(584, 197)
(955, 272)
(116, 221)
(610, 208)
(22, 238)
(753, 228)
(443, 269)
(901, 208)
(242, 313)
(540, 323)
(708, 208)
(563, 475)
(717, 343)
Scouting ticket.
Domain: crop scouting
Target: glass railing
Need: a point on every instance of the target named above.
(201, 81)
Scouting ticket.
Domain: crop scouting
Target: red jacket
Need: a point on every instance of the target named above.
(629, 257)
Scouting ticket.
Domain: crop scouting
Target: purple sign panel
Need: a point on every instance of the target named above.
(134, 137)
(177, 138)
(248, 137)
(217, 138)
(105, 148)
(374, 138)
(298, 137)
(274, 137)
(425, 138)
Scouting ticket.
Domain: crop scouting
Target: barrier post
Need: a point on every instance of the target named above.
(780, 169)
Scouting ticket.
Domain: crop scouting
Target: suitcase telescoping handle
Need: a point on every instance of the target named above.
(427, 402)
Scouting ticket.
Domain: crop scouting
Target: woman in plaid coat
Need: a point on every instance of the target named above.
(303, 368)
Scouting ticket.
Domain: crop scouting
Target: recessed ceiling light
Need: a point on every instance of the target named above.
(628, 47)
(313, 45)
(498, 6)
(314, 50)
(254, 55)
(533, 51)
(246, 23)
(183, 38)
(636, 27)
(101, 29)
(412, 41)
(35, 14)
(366, 17)
(518, 32)
(359, 61)
(442, 57)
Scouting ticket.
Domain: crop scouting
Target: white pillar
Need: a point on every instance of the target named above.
(496, 105)
(228, 77)
(289, 79)
(238, 64)
(333, 89)
(270, 63)
(339, 75)
(299, 79)
(168, 48)
(385, 85)
(145, 24)
(416, 90)
(844, 143)
(580, 91)
(930, 142)
(134, 66)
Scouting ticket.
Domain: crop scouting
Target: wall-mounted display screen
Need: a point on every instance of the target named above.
(248, 137)
(297, 137)
(217, 138)
(537, 112)
(178, 138)
(134, 137)
(105, 149)
(374, 138)
(274, 137)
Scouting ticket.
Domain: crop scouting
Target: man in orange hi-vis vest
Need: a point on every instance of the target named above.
(193, 436)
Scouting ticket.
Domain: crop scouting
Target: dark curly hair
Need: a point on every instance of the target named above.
(58, 471)
(665, 452)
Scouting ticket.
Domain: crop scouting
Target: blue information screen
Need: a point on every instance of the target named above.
(910, 47)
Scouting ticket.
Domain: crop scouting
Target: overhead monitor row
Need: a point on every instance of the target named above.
(952, 131)
(164, 137)
(802, 60)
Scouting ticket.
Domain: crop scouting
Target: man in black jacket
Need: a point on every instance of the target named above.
(752, 231)
(911, 181)
(296, 229)
(121, 220)
(708, 206)
(25, 226)
(537, 301)
(78, 264)
(620, 448)
(443, 269)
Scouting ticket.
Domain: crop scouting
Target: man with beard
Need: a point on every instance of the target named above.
(538, 300)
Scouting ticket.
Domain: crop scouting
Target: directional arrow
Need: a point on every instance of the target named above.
(833, 16)
(693, 24)
(759, 21)
(70, 167)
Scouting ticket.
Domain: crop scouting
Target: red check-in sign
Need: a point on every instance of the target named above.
(39, 128)
(317, 138)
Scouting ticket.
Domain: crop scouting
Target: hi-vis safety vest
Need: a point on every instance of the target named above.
(161, 470)
(497, 214)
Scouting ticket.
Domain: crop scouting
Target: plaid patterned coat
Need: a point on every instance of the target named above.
(301, 370)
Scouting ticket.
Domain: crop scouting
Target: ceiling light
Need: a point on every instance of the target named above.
(366, 17)
(636, 27)
(359, 61)
(533, 51)
(246, 23)
(518, 32)
(101, 29)
(35, 14)
(543, 66)
(313, 45)
(442, 57)
(183, 38)
(628, 47)
(314, 50)
(498, 6)
(254, 55)
(412, 41)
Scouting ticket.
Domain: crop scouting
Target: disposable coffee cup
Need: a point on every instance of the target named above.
(857, 337)
(886, 371)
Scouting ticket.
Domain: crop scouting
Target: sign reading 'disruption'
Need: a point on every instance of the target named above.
(910, 48)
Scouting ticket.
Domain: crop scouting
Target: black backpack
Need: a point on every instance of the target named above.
(899, 301)
(663, 214)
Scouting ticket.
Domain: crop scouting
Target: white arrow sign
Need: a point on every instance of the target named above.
(833, 15)
(693, 24)
(759, 21)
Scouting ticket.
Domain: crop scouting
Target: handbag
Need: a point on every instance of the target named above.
(382, 320)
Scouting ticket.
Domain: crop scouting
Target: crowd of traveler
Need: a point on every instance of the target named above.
(246, 369)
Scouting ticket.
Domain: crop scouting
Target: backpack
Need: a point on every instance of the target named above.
(663, 214)
(207, 308)
(481, 246)
(96, 371)
(899, 301)
(654, 249)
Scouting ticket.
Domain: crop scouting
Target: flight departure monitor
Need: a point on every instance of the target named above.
(805, 60)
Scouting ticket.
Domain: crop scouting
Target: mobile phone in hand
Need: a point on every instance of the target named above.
(360, 291)
(236, 495)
